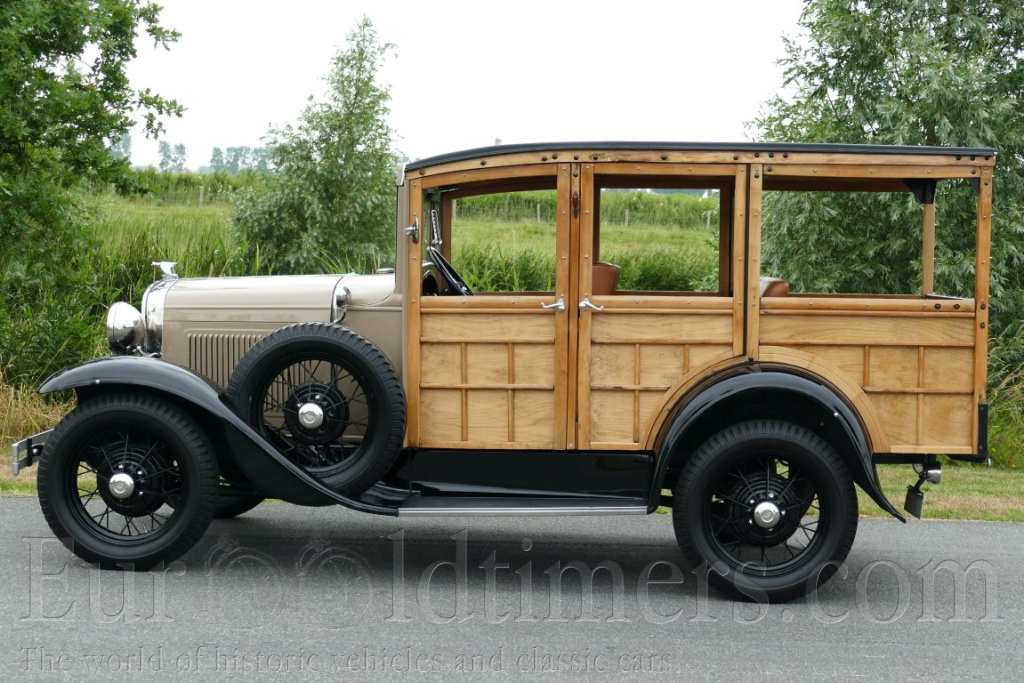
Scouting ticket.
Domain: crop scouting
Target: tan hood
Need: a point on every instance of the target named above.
(280, 298)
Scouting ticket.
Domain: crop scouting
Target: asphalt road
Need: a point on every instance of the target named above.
(328, 594)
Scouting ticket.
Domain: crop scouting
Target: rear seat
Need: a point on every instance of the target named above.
(774, 286)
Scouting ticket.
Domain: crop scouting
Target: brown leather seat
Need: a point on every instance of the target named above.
(606, 278)
(774, 286)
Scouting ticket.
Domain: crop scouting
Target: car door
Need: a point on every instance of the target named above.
(641, 342)
(490, 370)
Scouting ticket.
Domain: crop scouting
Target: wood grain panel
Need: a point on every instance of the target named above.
(533, 411)
(663, 365)
(611, 416)
(488, 326)
(612, 364)
(443, 420)
(487, 415)
(949, 369)
(441, 364)
(488, 364)
(898, 413)
(948, 420)
(703, 355)
(534, 364)
(786, 330)
(848, 360)
(638, 328)
(893, 367)
(650, 402)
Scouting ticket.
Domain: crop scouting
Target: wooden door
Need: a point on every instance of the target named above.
(635, 347)
(490, 371)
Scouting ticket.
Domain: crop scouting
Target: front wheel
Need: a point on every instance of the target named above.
(767, 508)
(128, 480)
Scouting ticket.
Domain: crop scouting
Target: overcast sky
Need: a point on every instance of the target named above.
(464, 74)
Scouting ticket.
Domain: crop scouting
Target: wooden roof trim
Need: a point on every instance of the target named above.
(698, 152)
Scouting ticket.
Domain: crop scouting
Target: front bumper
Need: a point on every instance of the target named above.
(25, 452)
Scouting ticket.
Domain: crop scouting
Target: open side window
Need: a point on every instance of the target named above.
(498, 236)
(894, 237)
(655, 231)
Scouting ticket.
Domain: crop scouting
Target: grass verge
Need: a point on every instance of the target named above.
(966, 492)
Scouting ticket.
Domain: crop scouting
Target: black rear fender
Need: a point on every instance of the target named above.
(763, 391)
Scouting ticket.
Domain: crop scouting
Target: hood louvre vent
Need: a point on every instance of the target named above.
(215, 355)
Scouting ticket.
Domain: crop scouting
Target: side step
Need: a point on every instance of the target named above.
(480, 506)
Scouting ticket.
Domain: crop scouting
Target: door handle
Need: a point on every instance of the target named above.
(558, 305)
(585, 304)
(414, 230)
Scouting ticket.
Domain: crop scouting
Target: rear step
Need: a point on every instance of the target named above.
(474, 506)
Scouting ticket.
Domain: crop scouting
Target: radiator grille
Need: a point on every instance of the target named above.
(215, 355)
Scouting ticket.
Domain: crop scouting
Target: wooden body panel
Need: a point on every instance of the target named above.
(639, 347)
(916, 367)
(501, 372)
(638, 357)
(483, 389)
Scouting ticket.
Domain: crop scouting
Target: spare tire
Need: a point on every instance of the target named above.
(327, 398)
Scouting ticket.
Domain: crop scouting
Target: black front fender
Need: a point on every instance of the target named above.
(196, 393)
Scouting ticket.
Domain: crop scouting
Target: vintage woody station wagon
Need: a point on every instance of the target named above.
(750, 408)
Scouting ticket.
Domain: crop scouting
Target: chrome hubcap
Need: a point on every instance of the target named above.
(311, 415)
(766, 515)
(121, 485)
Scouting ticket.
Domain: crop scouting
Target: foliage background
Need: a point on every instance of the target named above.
(64, 98)
(333, 187)
(909, 72)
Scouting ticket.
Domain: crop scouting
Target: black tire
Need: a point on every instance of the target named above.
(796, 480)
(232, 506)
(342, 378)
(155, 514)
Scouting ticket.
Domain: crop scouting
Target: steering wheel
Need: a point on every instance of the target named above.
(456, 285)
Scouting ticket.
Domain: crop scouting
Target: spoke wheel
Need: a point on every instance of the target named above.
(127, 479)
(327, 399)
(767, 509)
(315, 411)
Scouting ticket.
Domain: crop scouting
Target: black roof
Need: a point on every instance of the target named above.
(698, 147)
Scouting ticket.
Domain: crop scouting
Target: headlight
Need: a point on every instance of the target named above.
(153, 314)
(125, 329)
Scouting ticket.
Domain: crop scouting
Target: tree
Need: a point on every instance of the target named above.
(178, 158)
(237, 159)
(332, 192)
(166, 156)
(121, 147)
(65, 98)
(217, 159)
(930, 72)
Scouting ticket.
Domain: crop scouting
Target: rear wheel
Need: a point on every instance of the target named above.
(767, 508)
(128, 480)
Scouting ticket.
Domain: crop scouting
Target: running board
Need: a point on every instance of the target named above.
(478, 506)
